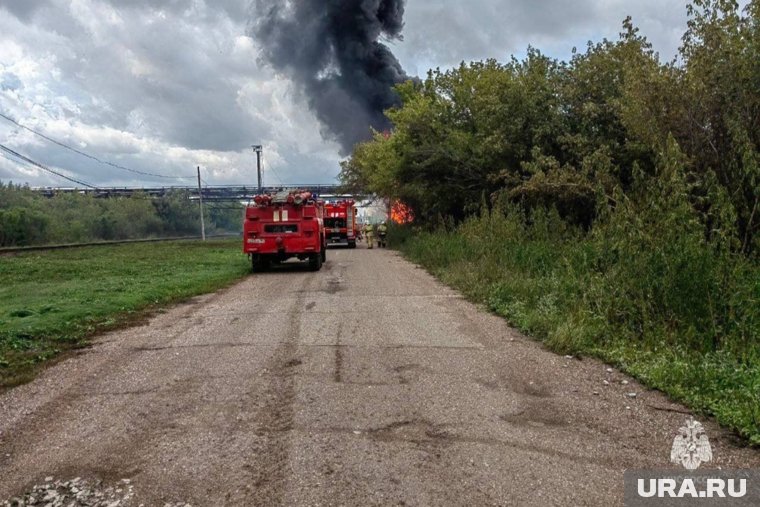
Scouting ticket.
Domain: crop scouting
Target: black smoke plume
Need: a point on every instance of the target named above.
(331, 50)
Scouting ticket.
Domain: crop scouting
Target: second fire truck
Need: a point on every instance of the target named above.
(340, 223)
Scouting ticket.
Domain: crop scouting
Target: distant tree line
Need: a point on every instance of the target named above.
(28, 218)
(581, 135)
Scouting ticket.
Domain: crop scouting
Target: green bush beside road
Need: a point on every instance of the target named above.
(53, 301)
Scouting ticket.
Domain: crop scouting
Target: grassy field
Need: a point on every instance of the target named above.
(54, 301)
(669, 314)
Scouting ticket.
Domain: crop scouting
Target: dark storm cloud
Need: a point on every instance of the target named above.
(331, 50)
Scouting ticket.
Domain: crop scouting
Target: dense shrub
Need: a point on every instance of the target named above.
(21, 226)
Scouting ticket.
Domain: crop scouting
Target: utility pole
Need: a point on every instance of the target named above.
(200, 201)
(257, 148)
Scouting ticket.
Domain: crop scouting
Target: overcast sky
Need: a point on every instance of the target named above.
(162, 86)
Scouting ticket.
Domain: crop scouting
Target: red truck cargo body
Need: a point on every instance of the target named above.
(340, 223)
(283, 226)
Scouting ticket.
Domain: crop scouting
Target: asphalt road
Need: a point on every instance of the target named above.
(368, 383)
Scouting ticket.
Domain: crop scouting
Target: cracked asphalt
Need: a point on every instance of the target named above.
(367, 383)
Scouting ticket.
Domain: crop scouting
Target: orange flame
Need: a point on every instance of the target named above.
(401, 213)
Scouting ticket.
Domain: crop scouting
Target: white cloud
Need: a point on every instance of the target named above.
(156, 86)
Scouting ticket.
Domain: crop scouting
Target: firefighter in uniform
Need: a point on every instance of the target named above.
(382, 230)
(368, 234)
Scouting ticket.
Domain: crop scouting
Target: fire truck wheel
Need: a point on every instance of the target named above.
(352, 244)
(315, 262)
(323, 255)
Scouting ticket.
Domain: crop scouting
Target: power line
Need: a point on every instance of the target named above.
(44, 168)
(91, 157)
(276, 175)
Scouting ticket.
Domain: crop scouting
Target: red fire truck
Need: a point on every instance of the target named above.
(284, 225)
(340, 223)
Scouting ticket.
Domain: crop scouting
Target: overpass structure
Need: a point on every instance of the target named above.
(208, 193)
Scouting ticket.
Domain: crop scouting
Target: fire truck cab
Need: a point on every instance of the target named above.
(284, 225)
(340, 223)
